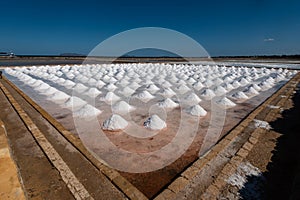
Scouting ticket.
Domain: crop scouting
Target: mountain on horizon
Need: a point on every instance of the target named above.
(150, 52)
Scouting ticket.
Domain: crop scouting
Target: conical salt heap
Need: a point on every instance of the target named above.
(196, 110)
(115, 122)
(79, 87)
(37, 83)
(74, 103)
(198, 85)
(225, 102)
(250, 91)
(127, 91)
(239, 95)
(69, 84)
(87, 112)
(42, 87)
(255, 86)
(227, 86)
(182, 89)
(50, 91)
(111, 87)
(144, 96)
(235, 84)
(167, 103)
(207, 94)
(93, 92)
(122, 107)
(168, 92)
(152, 88)
(192, 97)
(219, 90)
(110, 96)
(155, 123)
(59, 96)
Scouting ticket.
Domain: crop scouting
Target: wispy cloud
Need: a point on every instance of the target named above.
(269, 40)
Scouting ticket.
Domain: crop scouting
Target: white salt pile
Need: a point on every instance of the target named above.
(42, 87)
(255, 86)
(79, 87)
(190, 81)
(196, 110)
(261, 124)
(264, 85)
(92, 82)
(93, 92)
(37, 83)
(168, 92)
(123, 82)
(219, 90)
(168, 103)
(217, 81)
(198, 85)
(59, 96)
(134, 85)
(115, 122)
(110, 97)
(31, 82)
(227, 86)
(166, 84)
(243, 81)
(250, 91)
(208, 83)
(239, 95)
(127, 91)
(235, 84)
(122, 107)
(87, 112)
(192, 98)
(152, 88)
(207, 94)
(155, 123)
(240, 178)
(61, 81)
(74, 103)
(69, 84)
(182, 89)
(227, 79)
(111, 87)
(50, 91)
(99, 84)
(225, 102)
(144, 96)
(270, 80)
(273, 107)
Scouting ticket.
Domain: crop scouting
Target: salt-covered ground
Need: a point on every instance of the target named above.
(140, 108)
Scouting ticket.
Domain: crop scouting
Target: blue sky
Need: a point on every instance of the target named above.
(249, 27)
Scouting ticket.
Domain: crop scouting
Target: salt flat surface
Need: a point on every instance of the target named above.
(146, 105)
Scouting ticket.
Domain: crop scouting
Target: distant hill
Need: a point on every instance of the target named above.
(150, 52)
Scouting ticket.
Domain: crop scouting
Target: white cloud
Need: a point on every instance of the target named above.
(269, 40)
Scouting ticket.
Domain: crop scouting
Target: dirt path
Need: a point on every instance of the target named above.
(10, 187)
(47, 183)
(275, 155)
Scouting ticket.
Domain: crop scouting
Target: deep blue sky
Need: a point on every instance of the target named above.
(232, 27)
